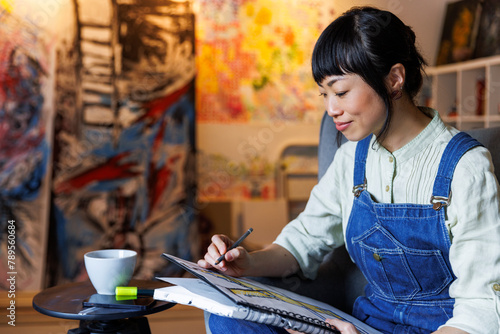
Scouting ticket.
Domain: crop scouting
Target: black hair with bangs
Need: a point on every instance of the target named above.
(368, 41)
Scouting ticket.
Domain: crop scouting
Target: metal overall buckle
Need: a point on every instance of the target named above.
(439, 201)
(356, 190)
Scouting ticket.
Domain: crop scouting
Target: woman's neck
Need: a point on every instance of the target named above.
(406, 123)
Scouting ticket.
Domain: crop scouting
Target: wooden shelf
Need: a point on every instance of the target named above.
(454, 90)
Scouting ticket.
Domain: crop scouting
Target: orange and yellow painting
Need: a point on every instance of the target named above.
(253, 59)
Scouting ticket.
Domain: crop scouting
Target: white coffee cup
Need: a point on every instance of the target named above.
(109, 268)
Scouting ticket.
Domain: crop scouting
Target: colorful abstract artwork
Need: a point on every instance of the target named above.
(254, 69)
(488, 38)
(96, 135)
(223, 179)
(124, 136)
(460, 29)
(25, 143)
(253, 59)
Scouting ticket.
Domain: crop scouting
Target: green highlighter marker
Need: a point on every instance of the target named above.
(132, 291)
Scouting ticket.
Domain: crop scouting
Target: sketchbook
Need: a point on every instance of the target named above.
(247, 299)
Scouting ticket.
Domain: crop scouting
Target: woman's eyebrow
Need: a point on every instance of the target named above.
(334, 80)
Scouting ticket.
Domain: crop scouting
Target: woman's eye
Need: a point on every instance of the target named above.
(325, 95)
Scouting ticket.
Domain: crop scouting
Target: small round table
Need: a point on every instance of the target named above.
(66, 302)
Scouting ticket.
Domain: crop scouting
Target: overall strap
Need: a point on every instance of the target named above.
(456, 148)
(360, 165)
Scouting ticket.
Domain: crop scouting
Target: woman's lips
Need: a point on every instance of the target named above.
(342, 126)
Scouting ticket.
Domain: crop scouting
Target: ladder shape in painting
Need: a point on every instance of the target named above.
(97, 42)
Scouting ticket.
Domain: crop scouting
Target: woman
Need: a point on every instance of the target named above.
(431, 266)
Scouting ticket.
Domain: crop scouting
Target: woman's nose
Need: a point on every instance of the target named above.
(333, 109)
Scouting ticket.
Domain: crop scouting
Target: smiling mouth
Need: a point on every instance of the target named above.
(342, 126)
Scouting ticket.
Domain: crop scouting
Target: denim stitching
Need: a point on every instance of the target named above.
(401, 250)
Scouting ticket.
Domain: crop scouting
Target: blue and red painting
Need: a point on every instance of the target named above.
(25, 123)
(111, 135)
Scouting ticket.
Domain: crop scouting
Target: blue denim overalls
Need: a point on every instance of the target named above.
(403, 251)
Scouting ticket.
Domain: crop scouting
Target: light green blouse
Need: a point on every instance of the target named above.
(407, 176)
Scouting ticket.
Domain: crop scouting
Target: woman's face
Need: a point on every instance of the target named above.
(355, 107)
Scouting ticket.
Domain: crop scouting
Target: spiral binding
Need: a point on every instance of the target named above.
(311, 325)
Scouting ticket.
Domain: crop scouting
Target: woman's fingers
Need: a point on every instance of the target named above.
(343, 326)
(220, 244)
(213, 253)
(233, 254)
(204, 264)
(235, 262)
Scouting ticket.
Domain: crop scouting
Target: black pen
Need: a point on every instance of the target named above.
(236, 244)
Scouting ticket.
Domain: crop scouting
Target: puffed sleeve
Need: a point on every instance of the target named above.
(318, 229)
(474, 225)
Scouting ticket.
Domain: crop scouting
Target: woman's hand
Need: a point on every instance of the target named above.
(236, 262)
(343, 326)
(272, 261)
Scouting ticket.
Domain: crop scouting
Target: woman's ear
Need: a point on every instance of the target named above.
(396, 78)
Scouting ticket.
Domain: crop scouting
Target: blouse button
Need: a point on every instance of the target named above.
(387, 188)
(377, 257)
(391, 159)
(496, 287)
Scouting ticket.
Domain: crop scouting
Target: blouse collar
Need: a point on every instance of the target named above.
(424, 139)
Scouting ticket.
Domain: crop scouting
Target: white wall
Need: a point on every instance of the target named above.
(426, 17)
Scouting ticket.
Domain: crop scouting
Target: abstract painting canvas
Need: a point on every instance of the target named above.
(458, 37)
(26, 119)
(124, 136)
(254, 70)
(253, 59)
(488, 37)
(96, 135)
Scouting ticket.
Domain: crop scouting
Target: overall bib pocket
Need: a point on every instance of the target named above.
(399, 272)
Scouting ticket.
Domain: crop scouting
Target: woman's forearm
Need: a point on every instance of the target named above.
(272, 261)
